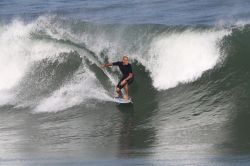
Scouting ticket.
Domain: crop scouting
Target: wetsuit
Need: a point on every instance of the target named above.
(125, 69)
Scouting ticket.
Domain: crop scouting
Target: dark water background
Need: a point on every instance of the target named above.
(191, 93)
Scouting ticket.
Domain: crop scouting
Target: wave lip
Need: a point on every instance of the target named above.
(183, 57)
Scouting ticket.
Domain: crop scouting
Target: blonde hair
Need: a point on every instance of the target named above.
(125, 56)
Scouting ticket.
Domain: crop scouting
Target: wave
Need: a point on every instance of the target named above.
(53, 64)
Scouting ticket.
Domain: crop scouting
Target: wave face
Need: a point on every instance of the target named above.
(191, 85)
(52, 60)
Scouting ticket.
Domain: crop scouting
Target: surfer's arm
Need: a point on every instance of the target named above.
(112, 64)
(107, 65)
(130, 75)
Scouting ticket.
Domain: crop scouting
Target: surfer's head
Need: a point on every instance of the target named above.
(125, 60)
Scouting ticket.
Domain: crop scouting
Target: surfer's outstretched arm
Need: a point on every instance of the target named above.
(107, 65)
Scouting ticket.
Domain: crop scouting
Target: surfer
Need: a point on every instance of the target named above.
(127, 75)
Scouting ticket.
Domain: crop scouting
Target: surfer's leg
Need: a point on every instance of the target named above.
(118, 88)
(118, 91)
(126, 92)
(125, 84)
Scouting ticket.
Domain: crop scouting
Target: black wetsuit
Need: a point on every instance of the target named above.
(125, 69)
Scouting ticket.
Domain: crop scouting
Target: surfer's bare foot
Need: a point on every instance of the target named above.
(125, 97)
(119, 93)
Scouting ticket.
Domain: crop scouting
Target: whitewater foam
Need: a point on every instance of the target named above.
(82, 88)
(19, 51)
(13, 59)
(182, 57)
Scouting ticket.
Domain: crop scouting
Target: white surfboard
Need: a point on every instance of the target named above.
(120, 100)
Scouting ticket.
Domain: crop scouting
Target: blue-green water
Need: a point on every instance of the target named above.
(191, 90)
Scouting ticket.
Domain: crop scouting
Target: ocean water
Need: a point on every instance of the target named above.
(191, 61)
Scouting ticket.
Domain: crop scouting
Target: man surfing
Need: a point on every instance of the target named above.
(127, 75)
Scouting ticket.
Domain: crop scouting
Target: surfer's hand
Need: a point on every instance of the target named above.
(106, 65)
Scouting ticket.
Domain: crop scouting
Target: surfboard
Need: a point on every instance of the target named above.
(120, 100)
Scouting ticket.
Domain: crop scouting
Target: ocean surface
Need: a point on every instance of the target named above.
(191, 93)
